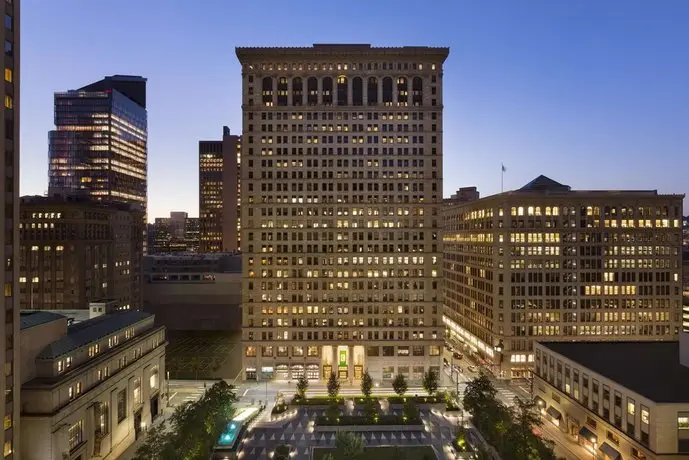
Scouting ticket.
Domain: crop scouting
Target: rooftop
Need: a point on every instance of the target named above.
(85, 332)
(29, 319)
(344, 48)
(650, 369)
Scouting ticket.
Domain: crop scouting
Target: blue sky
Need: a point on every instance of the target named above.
(593, 93)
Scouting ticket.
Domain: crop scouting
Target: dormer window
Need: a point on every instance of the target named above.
(68, 362)
(60, 366)
(94, 350)
(112, 341)
(129, 333)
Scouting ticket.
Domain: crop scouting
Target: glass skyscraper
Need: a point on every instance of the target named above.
(99, 145)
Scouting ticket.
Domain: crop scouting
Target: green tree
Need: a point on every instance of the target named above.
(333, 386)
(349, 446)
(400, 384)
(430, 382)
(302, 386)
(366, 384)
(328, 456)
(193, 429)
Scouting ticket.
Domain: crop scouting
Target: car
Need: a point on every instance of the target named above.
(457, 355)
(472, 368)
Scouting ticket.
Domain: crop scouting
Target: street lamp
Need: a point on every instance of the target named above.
(595, 444)
(498, 349)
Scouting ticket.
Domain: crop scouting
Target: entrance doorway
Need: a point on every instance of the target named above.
(137, 424)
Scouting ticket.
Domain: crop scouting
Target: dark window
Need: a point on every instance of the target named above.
(417, 91)
(312, 88)
(357, 91)
(9, 48)
(342, 91)
(402, 91)
(372, 90)
(8, 22)
(297, 91)
(327, 91)
(121, 406)
(282, 91)
(387, 90)
(267, 88)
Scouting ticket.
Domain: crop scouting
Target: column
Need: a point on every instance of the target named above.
(379, 83)
(364, 89)
(320, 90)
(289, 92)
(350, 363)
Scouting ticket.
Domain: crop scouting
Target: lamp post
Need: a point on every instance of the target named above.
(595, 444)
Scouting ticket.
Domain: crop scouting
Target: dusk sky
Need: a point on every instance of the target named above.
(594, 94)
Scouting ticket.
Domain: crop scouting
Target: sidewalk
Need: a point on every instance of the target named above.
(128, 454)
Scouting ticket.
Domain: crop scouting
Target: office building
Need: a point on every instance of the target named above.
(99, 145)
(463, 195)
(177, 233)
(219, 192)
(621, 400)
(194, 292)
(75, 250)
(341, 191)
(9, 238)
(548, 263)
(90, 389)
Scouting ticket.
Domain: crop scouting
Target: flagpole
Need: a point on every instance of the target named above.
(502, 178)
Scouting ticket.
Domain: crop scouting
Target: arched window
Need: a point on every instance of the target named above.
(267, 88)
(372, 90)
(417, 91)
(387, 91)
(342, 90)
(282, 91)
(312, 88)
(402, 92)
(357, 91)
(297, 91)
(327, 91)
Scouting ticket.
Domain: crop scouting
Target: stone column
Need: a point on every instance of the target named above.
(289, 92)
(350, 363)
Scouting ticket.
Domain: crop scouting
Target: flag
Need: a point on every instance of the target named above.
(503, 168)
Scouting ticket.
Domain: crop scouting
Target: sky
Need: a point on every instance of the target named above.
(592, 93)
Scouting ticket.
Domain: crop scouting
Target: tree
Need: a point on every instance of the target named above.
(333, 386)
(430, 382)
(371, 411)
(478, 394)
(349, 446)
(193, 429)
(302, 386)
(366, 384)
(400, 384)
(328, 456)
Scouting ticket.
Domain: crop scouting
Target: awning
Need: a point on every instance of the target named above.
(554, 413)
(610, 451)
(587, 434)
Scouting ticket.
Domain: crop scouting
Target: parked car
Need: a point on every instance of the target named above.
(472, 368)
(457, 355)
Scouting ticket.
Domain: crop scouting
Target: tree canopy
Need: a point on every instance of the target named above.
(193, 429)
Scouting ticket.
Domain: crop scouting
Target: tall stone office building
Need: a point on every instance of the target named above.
(9, 239)
(219, 192)
(547, 263)
(341, 178)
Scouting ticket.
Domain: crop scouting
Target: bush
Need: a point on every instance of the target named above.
(417, 399)
(345, 420)
(316, 401)
(279, 409)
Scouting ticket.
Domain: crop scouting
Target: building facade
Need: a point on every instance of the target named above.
(622, 400)
(219, 192)
(75, 250)
(177, 233)
(89, 390)
(463, 195)
(341, 191)
(99, 147)
(9, 238)
(549, 263)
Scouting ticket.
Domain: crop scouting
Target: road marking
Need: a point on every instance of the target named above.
(245, 392)
(173, 395)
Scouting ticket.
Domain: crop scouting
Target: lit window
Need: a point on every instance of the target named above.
(7, 449)
(683, 422)
(644, 415)
(8, 75)
(9, 103)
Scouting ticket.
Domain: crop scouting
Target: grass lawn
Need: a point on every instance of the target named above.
(386, 453)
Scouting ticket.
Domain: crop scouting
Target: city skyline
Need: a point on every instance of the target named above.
(588, 92)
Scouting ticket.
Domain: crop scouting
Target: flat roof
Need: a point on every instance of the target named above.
(28, 319)
(650, 369)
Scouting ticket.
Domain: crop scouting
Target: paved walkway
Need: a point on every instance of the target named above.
(299, 434)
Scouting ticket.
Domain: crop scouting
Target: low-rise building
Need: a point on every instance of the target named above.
(621, 400)
(89, 389)
(194, 292)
